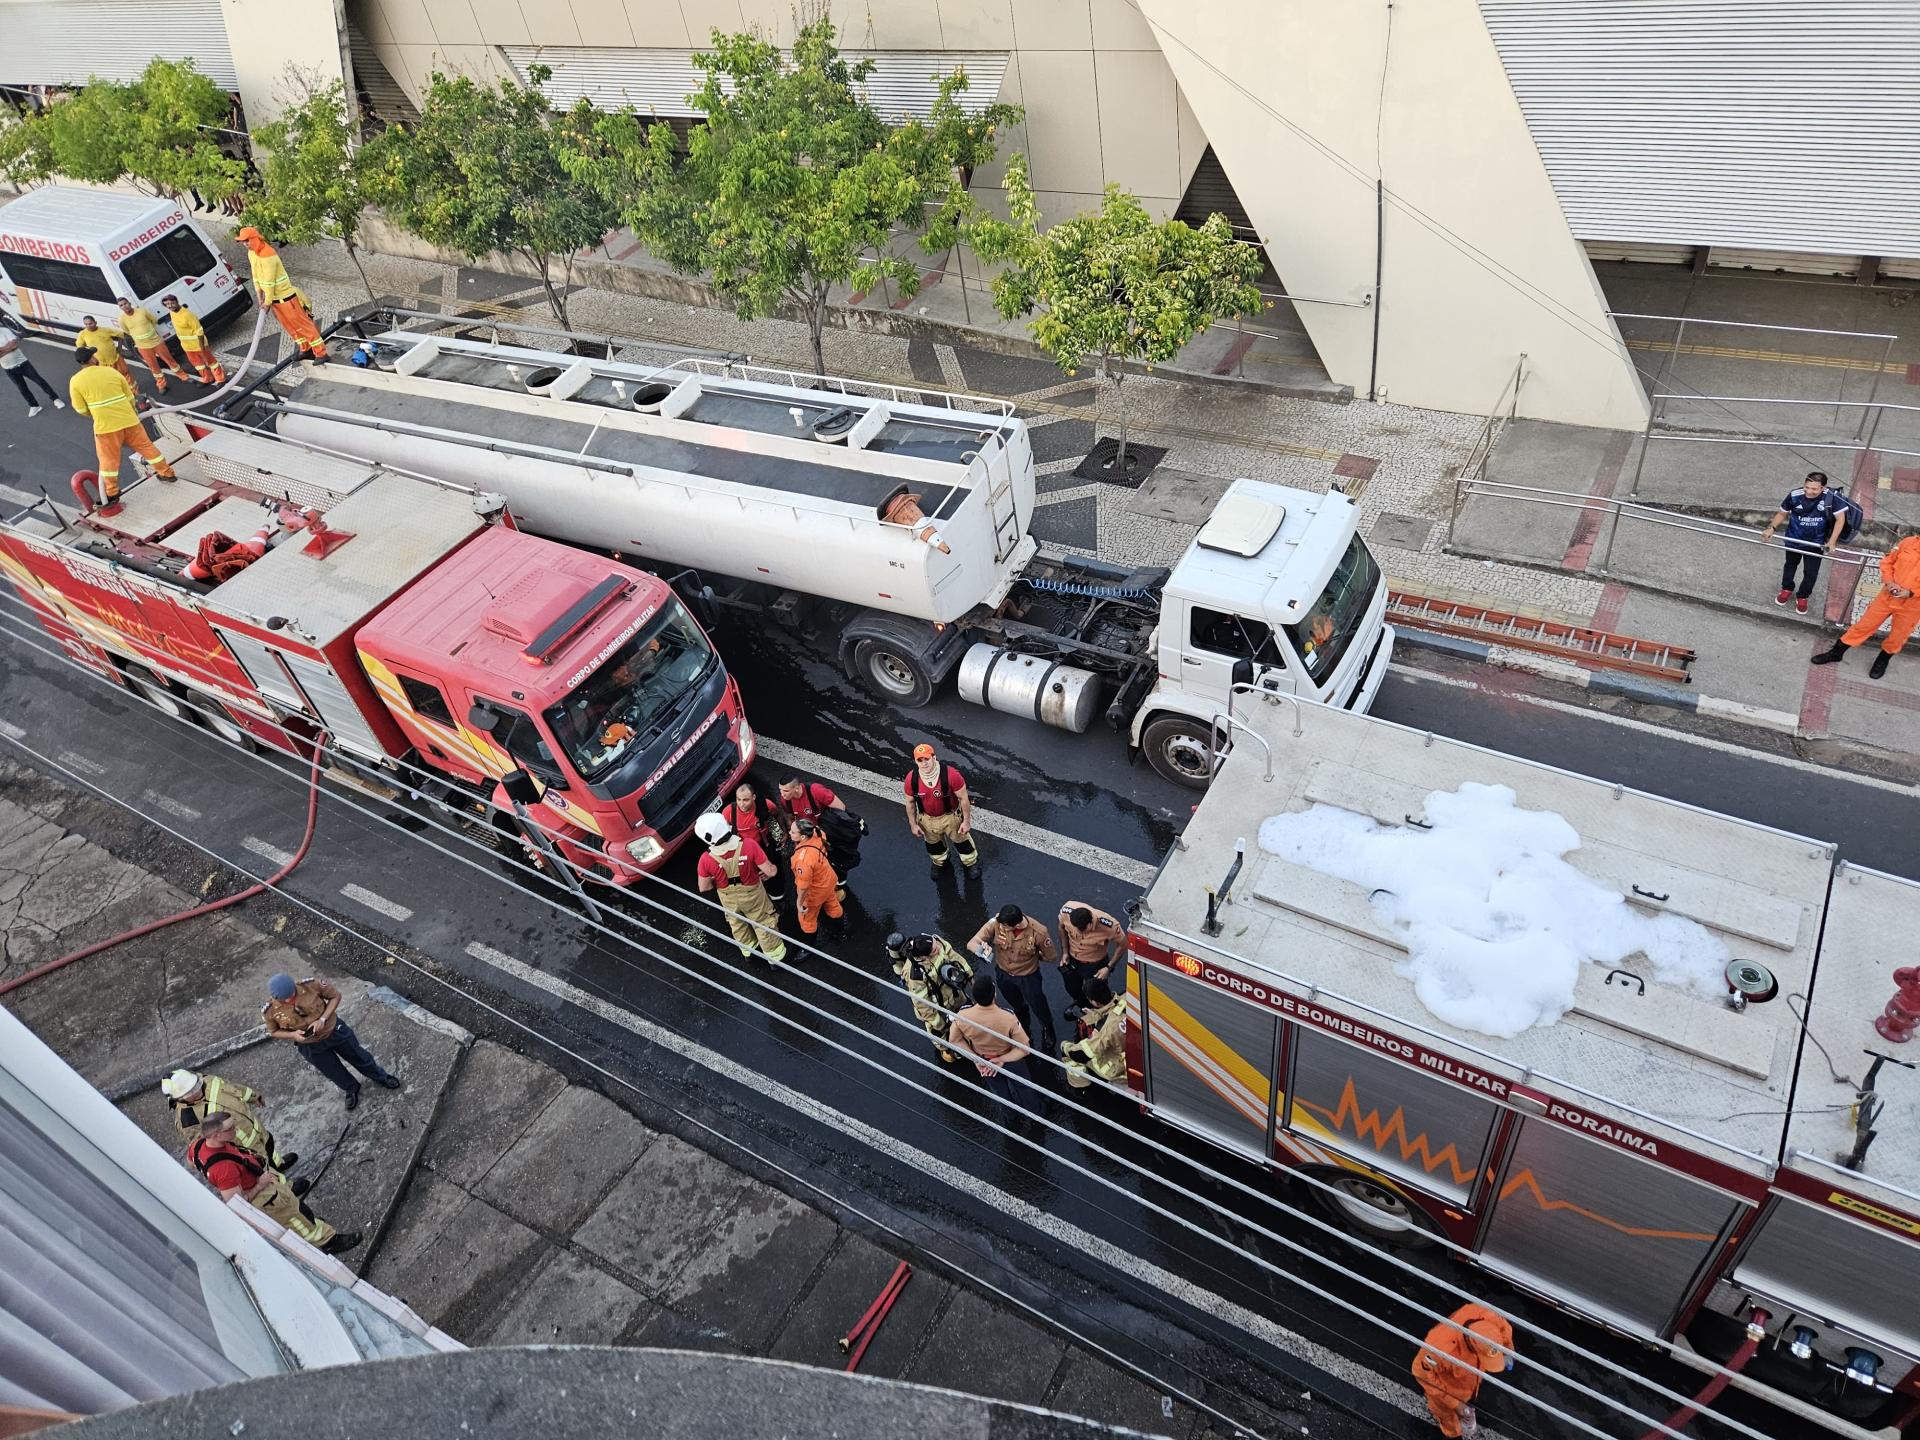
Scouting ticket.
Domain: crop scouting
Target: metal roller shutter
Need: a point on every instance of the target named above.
(1640, 254)
(1760, 124)
(68, 42)
(379, 91)
(904, 83)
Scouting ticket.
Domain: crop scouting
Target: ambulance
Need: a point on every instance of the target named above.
(67, 253)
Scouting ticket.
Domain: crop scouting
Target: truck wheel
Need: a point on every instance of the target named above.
(224, 725)
(1364, 1204)
(894, 673)
(1180, 748)
(156, 692)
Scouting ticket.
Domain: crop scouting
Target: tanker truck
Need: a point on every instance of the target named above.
(896, 522)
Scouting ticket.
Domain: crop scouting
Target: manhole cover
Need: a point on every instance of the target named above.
(1403, 532)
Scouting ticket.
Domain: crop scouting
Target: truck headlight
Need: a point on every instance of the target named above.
(746, 738)
(645, 850)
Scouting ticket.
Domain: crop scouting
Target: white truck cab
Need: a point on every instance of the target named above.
(66, 253)
(1279, 591)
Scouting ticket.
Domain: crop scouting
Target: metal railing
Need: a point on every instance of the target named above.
(1474, 467)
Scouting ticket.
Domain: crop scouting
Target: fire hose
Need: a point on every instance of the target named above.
(258, 887)
(1681, 1418)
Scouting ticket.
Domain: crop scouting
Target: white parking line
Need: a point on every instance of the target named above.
(392, 909)
(170, 805)
(986, 822)
(12, 731)
(271, 852)
(1084, 1242)
(80, 763)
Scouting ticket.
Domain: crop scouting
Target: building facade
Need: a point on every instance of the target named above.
(1430, 181)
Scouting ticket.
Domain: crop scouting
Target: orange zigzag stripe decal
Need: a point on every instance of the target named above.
(1368, 1127)
(1524, 1181)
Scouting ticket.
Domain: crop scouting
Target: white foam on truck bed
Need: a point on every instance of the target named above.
(1497, 924)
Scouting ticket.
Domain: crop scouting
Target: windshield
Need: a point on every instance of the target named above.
(1323, 635)
(629, 700)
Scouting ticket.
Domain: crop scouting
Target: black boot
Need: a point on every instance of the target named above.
(1879, 665)
(1837, 651)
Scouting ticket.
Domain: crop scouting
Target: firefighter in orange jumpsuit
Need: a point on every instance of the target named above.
(816, 885)
(1897, 606)
(107, 395)
(1452, 1360)
(275, 289)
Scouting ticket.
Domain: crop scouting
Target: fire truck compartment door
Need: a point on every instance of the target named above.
(1844, 1271)
(335, 706)
(1210, 1060)
(1431, 1134)
(1616, 1235)
(262, 664)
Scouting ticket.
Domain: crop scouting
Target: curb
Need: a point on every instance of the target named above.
(1630, 687)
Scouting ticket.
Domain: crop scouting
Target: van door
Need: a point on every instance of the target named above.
(179, 263)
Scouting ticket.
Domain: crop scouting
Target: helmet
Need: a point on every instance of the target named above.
(713, 829)
(179, 1085)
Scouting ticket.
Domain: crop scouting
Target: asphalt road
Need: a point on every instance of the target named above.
(1105, 1225)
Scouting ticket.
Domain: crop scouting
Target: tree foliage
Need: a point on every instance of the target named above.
(310, 184)
(1115, 284)
(795, 183)
(162, 131)
(25, 156)
(482, 171)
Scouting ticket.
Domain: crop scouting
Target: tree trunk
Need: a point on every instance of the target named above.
(816, 323)
(556, 298)
(353, 254)
(1120, 448)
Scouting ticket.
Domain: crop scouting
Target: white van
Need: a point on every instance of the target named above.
(67, 253)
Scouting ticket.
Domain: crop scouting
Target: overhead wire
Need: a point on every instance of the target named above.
(1136, 1136)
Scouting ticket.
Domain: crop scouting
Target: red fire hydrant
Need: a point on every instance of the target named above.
(1902, 1014)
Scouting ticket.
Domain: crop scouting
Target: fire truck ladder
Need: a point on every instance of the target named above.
(1579, 644)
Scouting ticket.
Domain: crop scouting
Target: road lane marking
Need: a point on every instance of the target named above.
(80, 762)
(985, 822)
(392, 909)
(12, 731)
(271, 852)
(170, 805)
(18, 497)
(1414, 675)
(1123, 1261)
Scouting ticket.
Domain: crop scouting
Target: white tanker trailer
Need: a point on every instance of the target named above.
(895, 521)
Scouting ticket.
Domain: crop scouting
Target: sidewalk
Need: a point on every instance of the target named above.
(503, 1204)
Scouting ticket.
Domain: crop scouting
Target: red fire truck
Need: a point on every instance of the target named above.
(396, 622)
(1677, 1168)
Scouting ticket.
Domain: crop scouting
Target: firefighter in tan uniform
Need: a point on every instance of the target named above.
(194, 1097)
(737, 871)
(235, 1171)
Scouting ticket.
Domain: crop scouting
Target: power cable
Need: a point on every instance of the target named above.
(1133, 1135)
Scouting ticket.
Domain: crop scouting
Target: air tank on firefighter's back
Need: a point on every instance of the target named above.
(1030, 686)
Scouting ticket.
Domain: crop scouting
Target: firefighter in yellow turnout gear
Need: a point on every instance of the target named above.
(193, 1097)
(1102, 1054)
(737, 871)
(938, 978)
(235, 1171)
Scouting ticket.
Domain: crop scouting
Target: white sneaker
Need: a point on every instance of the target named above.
(59, 404)
(32, 410)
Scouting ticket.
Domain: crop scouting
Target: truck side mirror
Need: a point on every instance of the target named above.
(1243, 672)
(520, 787)
(483, 718)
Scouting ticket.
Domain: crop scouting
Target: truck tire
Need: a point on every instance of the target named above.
(893, 672)
(1363, 1204)
(224, 725)
(1180, 749)
(156, 692)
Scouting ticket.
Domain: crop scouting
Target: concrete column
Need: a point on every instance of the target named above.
(1308, 105)
(284, 48)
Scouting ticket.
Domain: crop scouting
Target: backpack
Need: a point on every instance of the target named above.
(842, 830)
(1845, 504)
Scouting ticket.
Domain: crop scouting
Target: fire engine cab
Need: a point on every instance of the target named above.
(294, 599)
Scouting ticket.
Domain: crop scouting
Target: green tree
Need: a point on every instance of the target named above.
(795, 183)
(162, 132)
(1114, 284)
(311, 186)
(482, 172)
(25, 156)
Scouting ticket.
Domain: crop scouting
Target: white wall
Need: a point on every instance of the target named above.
(283, 47)
(1479, 265)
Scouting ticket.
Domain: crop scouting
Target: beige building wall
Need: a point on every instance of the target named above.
(282, 49)
(1308, 104)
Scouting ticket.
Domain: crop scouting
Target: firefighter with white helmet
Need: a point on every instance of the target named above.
(192, 1097)
(737, 870)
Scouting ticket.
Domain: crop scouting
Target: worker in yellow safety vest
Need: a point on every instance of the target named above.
(194, 344)
(144, 331)
(104, 341)
(276, 293)
(107, 396)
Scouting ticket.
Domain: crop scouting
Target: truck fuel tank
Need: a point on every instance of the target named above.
(1050, 691)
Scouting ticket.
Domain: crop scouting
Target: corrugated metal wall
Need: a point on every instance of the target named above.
(68, 42)
(1765, 125)
(903, 83)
